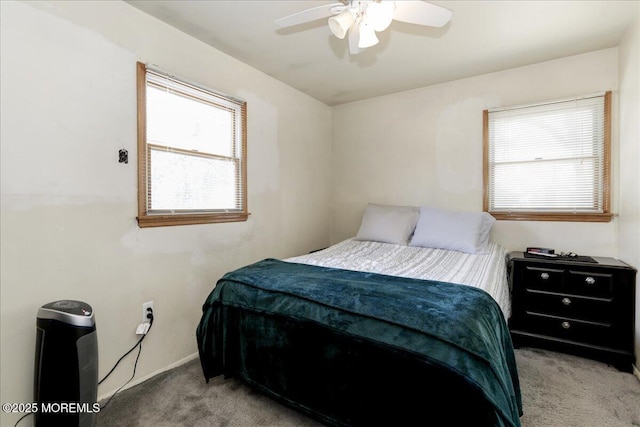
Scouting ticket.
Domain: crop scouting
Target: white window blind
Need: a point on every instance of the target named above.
(194, 149)
(548, 157)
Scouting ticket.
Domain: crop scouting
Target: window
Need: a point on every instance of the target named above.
(191, 153)
(549, 161)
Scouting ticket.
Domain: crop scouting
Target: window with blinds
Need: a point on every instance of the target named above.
(191, 153)
(549, 161)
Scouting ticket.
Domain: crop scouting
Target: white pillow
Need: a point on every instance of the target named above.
(388, 224)
(458, 231)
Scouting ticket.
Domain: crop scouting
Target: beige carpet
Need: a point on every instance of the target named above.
(558, 390)
(562, 390)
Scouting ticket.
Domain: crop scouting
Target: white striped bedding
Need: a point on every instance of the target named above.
(486, 271)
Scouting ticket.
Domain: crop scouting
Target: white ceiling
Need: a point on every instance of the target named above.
(482, 37)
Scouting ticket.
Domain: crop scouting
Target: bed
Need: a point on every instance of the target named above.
(370, 333)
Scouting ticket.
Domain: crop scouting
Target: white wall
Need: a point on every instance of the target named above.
(68, 97)
(629, 222)
(424, 147)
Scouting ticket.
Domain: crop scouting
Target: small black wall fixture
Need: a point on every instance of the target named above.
(123, 156)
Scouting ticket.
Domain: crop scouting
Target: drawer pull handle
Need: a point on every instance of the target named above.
(544, 276)
(590, 280)
(566, 301)
(566, 325)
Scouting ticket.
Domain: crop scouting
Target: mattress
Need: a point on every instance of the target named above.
(485, 271)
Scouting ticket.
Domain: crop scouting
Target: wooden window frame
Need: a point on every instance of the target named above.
(605, 216)
(146, 219)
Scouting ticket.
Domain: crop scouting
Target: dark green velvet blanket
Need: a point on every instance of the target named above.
(457, 328)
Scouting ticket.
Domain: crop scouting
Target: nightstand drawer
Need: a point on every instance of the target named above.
(572, 306)
(589, 283)
(598, 333)
(543, 278)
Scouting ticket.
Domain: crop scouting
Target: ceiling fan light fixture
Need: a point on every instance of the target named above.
(361, 19)
(340, 24)
(368, 36)
(380, 14)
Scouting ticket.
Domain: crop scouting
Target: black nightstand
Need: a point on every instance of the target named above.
(581, 308)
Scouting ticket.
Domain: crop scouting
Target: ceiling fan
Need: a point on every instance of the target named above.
(362, 19)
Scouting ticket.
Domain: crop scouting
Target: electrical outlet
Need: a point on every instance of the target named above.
(145, 306)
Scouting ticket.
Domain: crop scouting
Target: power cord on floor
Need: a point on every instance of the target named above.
(22, 418)
(139, 346)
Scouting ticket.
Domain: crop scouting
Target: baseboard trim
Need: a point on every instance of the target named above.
(180, 362)
(636, 372)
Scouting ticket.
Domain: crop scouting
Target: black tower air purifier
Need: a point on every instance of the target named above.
(66, 365)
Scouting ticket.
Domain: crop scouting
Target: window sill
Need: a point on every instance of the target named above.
(189, 219)
(537, 216)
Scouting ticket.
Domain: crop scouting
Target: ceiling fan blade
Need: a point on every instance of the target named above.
(312, 14)
(422, 13)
